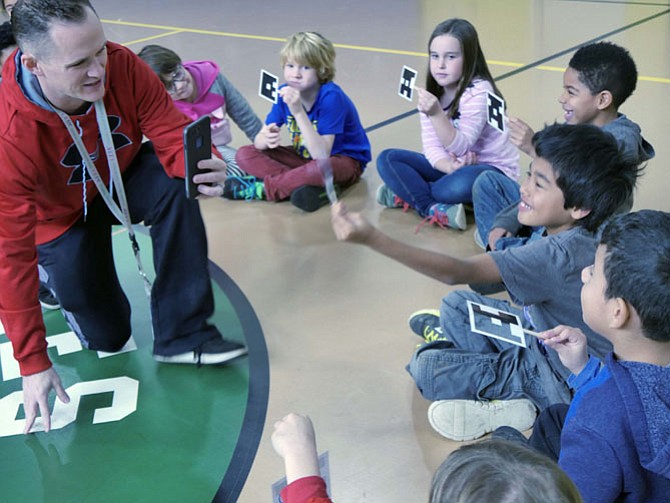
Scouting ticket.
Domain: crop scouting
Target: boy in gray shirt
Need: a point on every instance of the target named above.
(577, 179)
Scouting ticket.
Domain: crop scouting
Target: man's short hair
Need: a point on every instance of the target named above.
(605, 66)
(589, 169)
(32, 21)
(637, 267)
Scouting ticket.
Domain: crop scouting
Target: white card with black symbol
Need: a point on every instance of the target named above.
(407, 81)
(267, 88)
(496, 323)
(496, 111)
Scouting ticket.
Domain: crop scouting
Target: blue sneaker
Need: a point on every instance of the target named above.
(243, 187)
(426, 324)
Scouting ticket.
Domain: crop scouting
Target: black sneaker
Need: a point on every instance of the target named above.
(47, 299)
(211, 352)
(309, 198)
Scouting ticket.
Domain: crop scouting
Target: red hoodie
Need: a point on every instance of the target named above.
(41, 189)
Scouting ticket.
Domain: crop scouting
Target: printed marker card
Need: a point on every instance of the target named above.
(495, 323)
(267, 87)
(407, 80)
(496, 111)
(324, 468)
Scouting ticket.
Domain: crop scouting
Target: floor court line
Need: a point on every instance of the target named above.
(538, 63)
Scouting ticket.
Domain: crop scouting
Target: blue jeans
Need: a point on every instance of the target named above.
(412, 178)
(80, 267)
(476, 367)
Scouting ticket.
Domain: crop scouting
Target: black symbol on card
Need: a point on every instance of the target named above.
(496, 112)
(268, 86)
(407, 79)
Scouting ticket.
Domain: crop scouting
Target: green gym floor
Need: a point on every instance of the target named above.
(325, 322)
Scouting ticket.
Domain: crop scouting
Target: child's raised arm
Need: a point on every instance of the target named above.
(429, 105)
(319, 147)
(294, 440)
(353, 227)
(521, 135)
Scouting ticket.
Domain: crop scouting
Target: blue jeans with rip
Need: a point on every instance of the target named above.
(414, 180)
(472, 366)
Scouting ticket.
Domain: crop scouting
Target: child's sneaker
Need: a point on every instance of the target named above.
(426, 324)
(470, 419)
(309, 198)
(243, 187)
(445, 215)
(47, 299)
(388, 199)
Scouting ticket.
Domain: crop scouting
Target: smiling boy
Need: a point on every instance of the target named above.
(600, 77)
(575, 182)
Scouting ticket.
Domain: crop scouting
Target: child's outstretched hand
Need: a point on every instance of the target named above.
(521, 135)
(294, 440)
(427, 103)
(268, 137)
(570, 344)
(352, 227)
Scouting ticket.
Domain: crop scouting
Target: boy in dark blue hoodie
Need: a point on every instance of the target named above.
(615, 438)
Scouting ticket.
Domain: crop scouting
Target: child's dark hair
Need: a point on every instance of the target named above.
(500, 471)
(163, 61)
(474, 64)
(637, 267)
(606, 67)
(6, 36)
(589, 169)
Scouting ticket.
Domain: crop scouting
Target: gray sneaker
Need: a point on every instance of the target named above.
(470, 419)
(211, 352)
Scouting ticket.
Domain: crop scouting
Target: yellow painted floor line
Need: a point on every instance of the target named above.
(153, 37)
(173, 30)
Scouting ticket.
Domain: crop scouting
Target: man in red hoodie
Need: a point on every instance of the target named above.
(52, 213)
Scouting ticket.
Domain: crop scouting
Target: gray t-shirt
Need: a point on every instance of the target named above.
(633, 147)
(544, 276)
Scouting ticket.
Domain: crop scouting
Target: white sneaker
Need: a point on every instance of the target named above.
(470, 419)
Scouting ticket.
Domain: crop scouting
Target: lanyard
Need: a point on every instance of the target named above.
(121, 213)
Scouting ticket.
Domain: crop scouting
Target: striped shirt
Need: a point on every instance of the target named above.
(473, 134)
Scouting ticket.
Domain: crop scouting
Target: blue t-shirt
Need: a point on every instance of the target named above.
(332, 113)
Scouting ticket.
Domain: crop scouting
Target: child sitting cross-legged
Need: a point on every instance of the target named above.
(615, 440)
(323, 124)
(577, 180)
